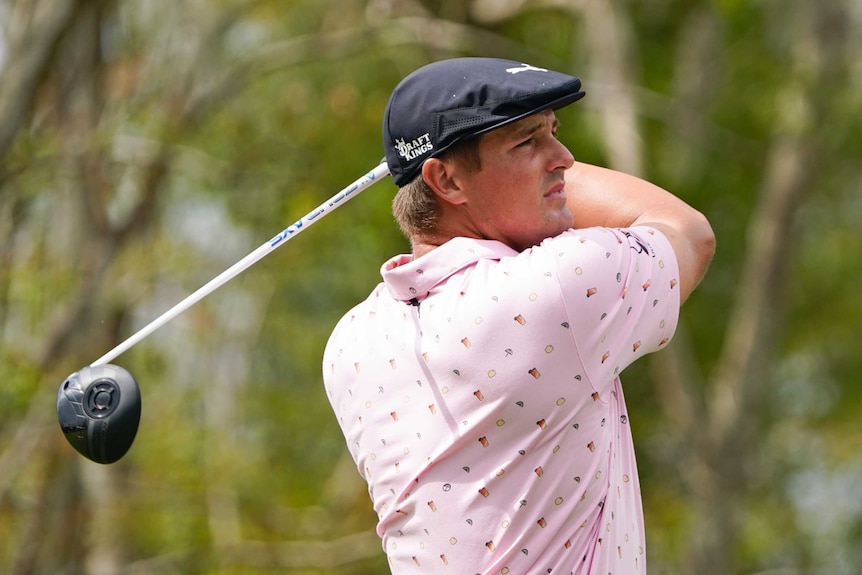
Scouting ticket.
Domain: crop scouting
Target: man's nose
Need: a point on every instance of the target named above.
(562, 157)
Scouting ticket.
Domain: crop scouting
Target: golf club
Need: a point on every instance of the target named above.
(99, 407)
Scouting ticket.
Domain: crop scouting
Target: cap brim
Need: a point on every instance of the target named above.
(552, 105)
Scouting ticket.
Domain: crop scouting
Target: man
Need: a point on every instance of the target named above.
(477, 386)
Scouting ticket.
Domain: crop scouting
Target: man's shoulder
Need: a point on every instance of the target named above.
(364, 308)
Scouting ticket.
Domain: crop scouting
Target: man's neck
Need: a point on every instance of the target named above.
(422, 248)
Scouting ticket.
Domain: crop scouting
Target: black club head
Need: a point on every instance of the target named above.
(99, 409)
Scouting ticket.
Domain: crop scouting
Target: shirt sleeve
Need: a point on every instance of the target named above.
(621, 292)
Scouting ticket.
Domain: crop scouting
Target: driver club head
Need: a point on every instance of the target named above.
(99, 408)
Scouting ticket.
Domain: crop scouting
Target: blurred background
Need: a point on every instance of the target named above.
(147, 146)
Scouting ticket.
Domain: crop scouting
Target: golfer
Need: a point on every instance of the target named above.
(478, 384)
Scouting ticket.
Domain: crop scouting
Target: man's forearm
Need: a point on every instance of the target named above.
(602, 197)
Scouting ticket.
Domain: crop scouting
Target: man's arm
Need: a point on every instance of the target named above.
(606, 198)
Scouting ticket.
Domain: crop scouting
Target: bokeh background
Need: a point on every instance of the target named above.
(145, 146)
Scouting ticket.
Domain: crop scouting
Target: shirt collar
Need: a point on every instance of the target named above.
(407, 278)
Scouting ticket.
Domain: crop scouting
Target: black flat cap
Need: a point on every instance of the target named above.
(451, 100)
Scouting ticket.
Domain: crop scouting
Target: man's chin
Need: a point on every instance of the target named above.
(567, 221)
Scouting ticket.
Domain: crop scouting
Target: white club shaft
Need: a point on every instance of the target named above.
(316, 214)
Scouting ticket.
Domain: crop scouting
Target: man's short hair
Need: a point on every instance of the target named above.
(415, 206)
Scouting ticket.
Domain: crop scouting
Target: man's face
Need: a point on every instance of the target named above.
(518, 196)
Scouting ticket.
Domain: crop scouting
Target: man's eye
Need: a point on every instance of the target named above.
(525, 143)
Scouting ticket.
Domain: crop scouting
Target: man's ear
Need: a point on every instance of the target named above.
(442, 177)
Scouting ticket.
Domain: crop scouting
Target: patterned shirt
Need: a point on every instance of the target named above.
(477, 388)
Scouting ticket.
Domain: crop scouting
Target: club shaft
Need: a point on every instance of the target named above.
(266, 248)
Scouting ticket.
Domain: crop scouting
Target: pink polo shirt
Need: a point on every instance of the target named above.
(487, 415)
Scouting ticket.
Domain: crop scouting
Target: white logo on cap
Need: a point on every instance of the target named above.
(415, 147)
(525, 68)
